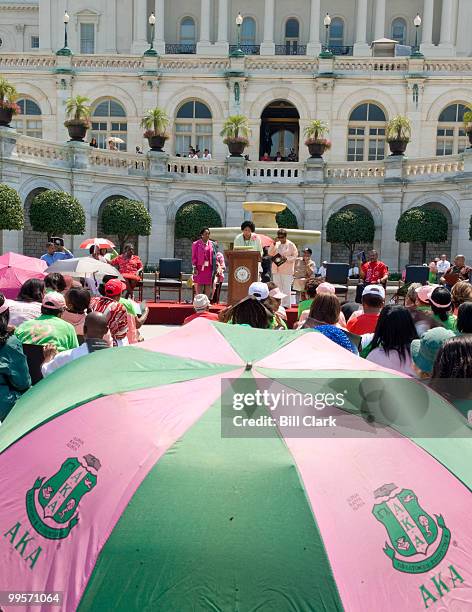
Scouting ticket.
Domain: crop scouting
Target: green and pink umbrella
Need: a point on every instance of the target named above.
(123, 490)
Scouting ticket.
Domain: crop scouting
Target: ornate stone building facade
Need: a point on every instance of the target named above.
(280, 84)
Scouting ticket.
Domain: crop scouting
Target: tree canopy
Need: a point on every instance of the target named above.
(350, 227)
(57, 213)
(287, 219)
(423, 225)
(125, 219)
(192, 217)
(11, 210)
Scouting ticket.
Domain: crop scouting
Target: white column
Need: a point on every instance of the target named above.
(45, 26)
(379, 31)
(314, 46)
(203, 45)
(268, 46)
(140, 43)
(222, 43)
(361, 47)
(160, 43)
(110, 40)
(427, 25)
(448, 26)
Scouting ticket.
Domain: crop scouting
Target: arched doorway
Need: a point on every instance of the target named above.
(34, 243)
(280, 130)
(433, 250)
(339, 251)
(189, 221)
(100, 231)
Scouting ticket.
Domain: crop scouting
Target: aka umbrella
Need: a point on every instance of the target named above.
(265, 240)
(127, 485)
(80, 267)
(102, 243)
(15, 269)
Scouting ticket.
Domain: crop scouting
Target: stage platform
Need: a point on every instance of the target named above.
(173, 313)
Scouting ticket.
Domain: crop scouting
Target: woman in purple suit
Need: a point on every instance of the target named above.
(204, 262)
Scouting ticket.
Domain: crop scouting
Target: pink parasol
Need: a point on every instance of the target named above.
(15, 269)
(266, 241)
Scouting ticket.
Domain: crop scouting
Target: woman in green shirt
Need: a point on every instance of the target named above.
(441, 306)
(14, 374)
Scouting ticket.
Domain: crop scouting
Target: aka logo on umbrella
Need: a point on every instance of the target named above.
(52, 505)
(412, 531)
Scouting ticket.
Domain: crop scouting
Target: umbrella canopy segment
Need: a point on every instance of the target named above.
(266, 241)
(16, 269)
(137, 501)
(102, 243)
(79, 267)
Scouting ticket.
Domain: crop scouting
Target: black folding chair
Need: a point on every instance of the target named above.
(337, 274)
(169, 277)
(413, 274)
(34, 354)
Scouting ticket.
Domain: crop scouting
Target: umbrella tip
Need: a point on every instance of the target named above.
(248, 366)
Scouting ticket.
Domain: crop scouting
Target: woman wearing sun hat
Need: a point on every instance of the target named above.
(424, 351)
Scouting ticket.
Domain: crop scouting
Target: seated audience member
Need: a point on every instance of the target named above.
(464, 318)
(324, 318)
(310, 290)
(251, 312)
(27, 305)
(54, 282)
(260, 291)
(136, 319)
(441, 305)
(49, 328)
(56, 251)
(461, 293)
(452, 373)
(390, 346)
(95, 328)
(278, 296)
(274, 304)
(353, 270)
(349, 308)
(77, 307)
(130, 266)
(424, 350)
(373, 298)
(201, 305)
(423, 293)
(115, 313)
(322, 289)
(411, 296)
(459, 271)
(322, 270)
(14, 373)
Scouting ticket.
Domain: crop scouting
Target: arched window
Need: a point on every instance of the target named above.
(248, 31)
(451, 136)
(193, 128)
(109, 121)
(29, 122)
(336, 34)
(188, 33)
(292, 36)
(366, 133)
(399, 30)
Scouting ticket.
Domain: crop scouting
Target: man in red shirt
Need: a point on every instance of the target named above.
(373, 299)
(373, 272)
(201, 304)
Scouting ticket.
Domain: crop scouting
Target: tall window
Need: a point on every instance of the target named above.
(248, 31)
(109, 121)
(87, 38)
(193, 127)
(35, 42)
(366, 133)
(187, 31)
(292, 35)
(29, 122)
(451, 136)
(336, 33)
(399, 31)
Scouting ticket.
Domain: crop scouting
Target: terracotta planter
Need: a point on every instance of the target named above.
(77, 130)
(6, 115)
(156, 143)
(236, 148)
(398, 147)
(316, 149)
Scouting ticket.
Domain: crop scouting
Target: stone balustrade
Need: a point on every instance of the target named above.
(436, 165)
(25, 61)
(355, 171)
(41, 151)
(270, 172)
(118, 160)
(94, 63)
(195, 168)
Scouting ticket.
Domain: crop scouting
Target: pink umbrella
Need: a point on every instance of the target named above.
(15, 269)
(266, 241)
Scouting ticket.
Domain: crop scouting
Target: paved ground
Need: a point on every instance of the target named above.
(153, 331)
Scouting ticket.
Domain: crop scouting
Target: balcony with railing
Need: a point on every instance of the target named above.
(246, 49)
(180, 49)
(290, 49)
(339, 50)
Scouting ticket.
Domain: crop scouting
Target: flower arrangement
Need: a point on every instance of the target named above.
(315, 133)
(155, 122)
(8, 96)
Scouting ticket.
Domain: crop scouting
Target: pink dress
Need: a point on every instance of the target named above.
(202, 259)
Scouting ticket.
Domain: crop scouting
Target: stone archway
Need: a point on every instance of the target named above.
(34, 243)
(432, 249)
(100, 232)
(190, 218)
(280, 130)
(339, 252)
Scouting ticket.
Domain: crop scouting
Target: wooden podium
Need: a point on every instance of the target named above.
(243, 269)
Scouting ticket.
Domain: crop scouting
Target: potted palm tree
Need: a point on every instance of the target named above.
(468, 124)
(8, 105)
(316, 142)
(398, 134)
(236, 134)
(78, 113)
(155, 122)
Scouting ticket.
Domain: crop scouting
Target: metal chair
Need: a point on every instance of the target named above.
(139, 287)
(337, 275)
(413, 274)
(34, 354)
(169, 277)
